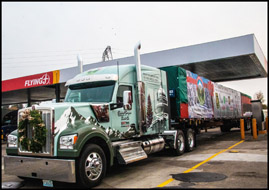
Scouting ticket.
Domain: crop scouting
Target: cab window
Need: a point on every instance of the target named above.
(121, 89)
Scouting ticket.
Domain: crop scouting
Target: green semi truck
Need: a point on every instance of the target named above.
(114, 114)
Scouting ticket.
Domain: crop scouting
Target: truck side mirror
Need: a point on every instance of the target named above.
(127, 100)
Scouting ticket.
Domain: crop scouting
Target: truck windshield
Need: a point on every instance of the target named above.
(90, 92)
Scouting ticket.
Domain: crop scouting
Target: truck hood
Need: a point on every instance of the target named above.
(72, 114)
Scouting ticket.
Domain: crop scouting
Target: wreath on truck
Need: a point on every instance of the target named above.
(32, 120)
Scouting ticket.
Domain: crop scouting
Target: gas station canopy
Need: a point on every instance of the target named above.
(224, 60)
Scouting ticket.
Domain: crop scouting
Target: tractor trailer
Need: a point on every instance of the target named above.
(120, 114)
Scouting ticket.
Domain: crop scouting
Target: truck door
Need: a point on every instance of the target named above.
(124, 119)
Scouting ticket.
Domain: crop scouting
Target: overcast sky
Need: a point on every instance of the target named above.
(45, 36)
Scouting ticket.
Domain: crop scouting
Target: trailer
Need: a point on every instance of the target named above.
(195, 99)
(120, 113)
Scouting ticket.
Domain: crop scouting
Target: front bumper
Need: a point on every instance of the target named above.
(41, 168)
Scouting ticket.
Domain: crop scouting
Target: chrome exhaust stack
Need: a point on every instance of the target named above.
(80, 63)
(141, 108)
(137, 61)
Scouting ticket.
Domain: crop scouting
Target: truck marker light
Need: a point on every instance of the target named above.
(75, 139)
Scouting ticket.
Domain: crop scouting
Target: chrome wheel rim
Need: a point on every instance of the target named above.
(93, 166)
(190, 140)
(180, 143)
(248, 125)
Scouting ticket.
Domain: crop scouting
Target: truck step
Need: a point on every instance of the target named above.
(129, 151)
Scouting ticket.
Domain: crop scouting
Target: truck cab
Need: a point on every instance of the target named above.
(112, 95)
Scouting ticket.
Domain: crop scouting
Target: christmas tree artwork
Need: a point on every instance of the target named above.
(149, 112)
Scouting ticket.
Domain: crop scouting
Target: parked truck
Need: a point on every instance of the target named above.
(116, 114)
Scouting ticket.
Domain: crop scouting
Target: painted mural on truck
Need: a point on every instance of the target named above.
(227, 102)
(200, 91)
(156, 101)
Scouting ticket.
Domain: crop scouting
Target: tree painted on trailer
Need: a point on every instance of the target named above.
(149, 112)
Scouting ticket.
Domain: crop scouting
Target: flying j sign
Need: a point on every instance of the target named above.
(42, 79)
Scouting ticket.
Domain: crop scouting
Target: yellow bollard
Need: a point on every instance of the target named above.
(242, 129)
(254, 128)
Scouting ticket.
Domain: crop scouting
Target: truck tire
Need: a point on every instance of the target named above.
(248, 125)
(225, 128)
(91, 166)
(190, 140)
(180, 143)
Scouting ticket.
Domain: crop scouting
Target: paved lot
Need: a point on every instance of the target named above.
(243, 166)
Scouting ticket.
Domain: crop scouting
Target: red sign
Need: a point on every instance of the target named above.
(42, 79)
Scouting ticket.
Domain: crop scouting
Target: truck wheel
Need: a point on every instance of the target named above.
(190, 140)
(247, 124)
(225, 128)
(91, 166)
(180, 143)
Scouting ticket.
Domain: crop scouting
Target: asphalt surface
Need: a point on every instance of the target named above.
(243, 166)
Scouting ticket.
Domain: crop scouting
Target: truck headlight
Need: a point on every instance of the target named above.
(67, 142)
(12, 141)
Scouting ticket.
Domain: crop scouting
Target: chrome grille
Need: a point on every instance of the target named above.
(48, 119)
